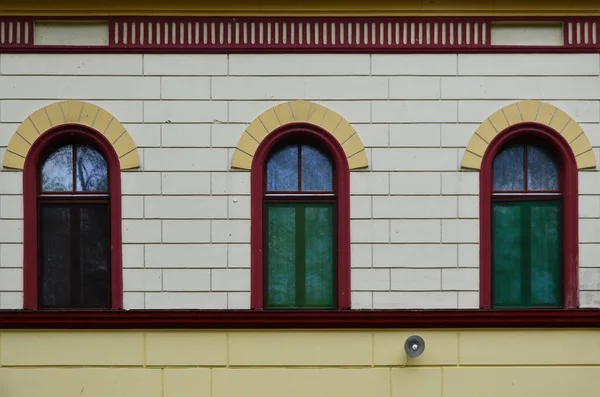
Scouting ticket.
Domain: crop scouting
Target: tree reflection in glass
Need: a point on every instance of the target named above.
(90, 173)
(57, 170)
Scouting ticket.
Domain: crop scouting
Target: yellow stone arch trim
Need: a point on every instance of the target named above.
(299, 111)
(71, 112)
(530, 111)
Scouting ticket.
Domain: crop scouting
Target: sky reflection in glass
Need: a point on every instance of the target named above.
(509, 173)
(316, 170)
(542, 171)
(282, 170)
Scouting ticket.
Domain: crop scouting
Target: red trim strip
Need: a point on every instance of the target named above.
(68, 134)
(304, 133)
(568, 186)
(302, 34)
(231, 319)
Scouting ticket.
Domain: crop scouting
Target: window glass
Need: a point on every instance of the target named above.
(91, 171)
(316, 170)
(282, 170)
(281, 258)
(319, 255)
(526, 254)
(57, 171)
(508, 170)
(300, 255)
(55, 255)
(542, 170)
(94, 254)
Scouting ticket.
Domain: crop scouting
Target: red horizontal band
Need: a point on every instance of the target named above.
(233, 319)
(301, 34)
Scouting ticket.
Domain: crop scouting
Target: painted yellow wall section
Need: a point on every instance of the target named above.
(306, 7)
(70, 112)
(353, 363)
(299, 111)
(530, 111)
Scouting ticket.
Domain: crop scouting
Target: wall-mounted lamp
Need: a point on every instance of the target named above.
(414, 346)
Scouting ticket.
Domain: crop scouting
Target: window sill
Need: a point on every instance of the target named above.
(247, 319)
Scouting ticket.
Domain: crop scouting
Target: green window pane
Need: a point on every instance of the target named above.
(526, 256)
(506, 257)
(300, 255)
(545, 256)
(319, 256)
(281, 256)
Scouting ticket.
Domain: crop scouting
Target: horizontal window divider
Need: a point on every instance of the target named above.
(304, 195)
(297, 319)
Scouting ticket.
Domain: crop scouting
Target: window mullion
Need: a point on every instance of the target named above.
(526, 254)
(300, 256)
(76, 271)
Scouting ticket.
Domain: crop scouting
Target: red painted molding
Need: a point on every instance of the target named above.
(568, 185)
(55, 136)
(301, 34)
(305, 133)
(231, 319)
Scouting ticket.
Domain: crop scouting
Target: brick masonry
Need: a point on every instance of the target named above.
(186, 214)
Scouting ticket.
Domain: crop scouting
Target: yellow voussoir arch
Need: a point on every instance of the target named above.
(71, 112)
(299, 111)
(530, 111)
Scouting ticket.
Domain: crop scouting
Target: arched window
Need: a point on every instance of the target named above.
(72, 235)
(300, 218)
(529, 215)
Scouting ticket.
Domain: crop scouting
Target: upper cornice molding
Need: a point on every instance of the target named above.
(300, 8)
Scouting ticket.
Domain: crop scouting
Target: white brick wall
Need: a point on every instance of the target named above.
(186, 226)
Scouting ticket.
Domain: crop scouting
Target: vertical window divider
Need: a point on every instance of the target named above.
(300, 255)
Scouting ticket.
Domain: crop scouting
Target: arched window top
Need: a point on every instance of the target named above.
(299, 168)
(525, 168)
(74, 168)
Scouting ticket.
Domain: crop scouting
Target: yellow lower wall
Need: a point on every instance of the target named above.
(465, 363)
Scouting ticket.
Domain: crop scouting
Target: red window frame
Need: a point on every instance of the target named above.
(568, 181)
(50, 140)
(303, 133)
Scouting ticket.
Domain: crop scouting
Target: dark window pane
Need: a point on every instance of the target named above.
(57, 170)
(55, 255)
(94, 253)
(527, 254)
(316, 170)
(545, 256)
(282, 170)
(506, 254)
(509, 173)
(91, 172)
(319, 255)
(542, 171)
(281, 256)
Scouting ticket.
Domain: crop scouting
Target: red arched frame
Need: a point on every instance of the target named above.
(568, 177)
(57, 136)
(309, 134)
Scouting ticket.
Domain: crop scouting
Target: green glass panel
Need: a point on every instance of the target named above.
(281, 256)
(300, 255)
(319, 255)
(526, 255)
(545, 256)
(506, 254)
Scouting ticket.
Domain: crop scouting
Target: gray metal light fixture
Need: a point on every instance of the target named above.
(414, 346)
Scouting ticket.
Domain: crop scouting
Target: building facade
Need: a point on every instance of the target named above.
(254, 198)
